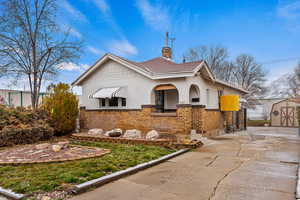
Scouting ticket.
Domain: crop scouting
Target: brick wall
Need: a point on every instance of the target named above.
(186, 118)
(143, 119)
(213, 119)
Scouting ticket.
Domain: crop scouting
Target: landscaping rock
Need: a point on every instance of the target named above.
(114, 133)
(45, 198)
(56, 148)
(42, 146)
(95, 131)
(134, 134)
(152, 135)
(63, 144)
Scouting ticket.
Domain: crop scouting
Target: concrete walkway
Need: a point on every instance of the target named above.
(262, 165)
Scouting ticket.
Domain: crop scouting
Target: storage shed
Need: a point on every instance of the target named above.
(285, 113)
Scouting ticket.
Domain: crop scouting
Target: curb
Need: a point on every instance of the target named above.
(298, 184)
(10, 194)
(117, 175)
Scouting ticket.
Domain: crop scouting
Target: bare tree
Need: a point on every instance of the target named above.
(297, 72)
(250, 75)
(215, 56)
(226, 72)
(31, 43)
(288, 85)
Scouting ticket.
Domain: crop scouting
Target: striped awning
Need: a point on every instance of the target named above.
(109, 93)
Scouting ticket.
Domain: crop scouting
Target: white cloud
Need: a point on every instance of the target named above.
(71, 30)
(290, 13)
(122, 48)
(102, 5)
(69, 66)
(275, 71)
(95, 50)
(156, 16)
(75, 32)
(73, 11)
(290, 10)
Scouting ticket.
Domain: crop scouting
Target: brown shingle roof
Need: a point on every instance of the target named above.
(295, 99)
(163, 65)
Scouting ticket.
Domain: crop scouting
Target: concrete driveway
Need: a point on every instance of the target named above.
(261, 164)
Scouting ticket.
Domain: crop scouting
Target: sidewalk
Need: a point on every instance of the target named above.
(263, 166)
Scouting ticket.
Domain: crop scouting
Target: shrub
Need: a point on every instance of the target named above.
(62, 107)
(23, 126)
(258, 122)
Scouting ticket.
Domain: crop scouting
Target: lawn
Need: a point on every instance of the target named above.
(53, 176)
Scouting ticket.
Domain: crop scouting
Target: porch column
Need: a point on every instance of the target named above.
(183, 94)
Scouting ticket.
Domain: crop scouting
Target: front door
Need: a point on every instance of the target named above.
(287, 116)
(160, 100)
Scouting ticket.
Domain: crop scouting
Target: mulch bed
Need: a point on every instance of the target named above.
(29, 154)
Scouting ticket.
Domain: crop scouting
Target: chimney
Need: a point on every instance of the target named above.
(166, 50)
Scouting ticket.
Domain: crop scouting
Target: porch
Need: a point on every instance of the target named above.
(166, 98)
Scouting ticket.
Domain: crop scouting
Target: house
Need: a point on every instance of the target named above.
(17, 98)
(285, 113)
(262, 109)
(155, 94)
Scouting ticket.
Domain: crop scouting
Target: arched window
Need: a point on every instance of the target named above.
(194, 94)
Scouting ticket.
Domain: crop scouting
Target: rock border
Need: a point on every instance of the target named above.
(104, 152)
(117, 175)
(120, 140)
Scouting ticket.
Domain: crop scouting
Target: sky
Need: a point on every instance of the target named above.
(269, 30)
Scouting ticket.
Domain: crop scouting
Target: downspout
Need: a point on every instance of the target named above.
(21, 99)
(9, 99)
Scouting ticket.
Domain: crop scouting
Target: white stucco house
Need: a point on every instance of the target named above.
(115, 85)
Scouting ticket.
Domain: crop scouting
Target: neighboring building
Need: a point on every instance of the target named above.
(262, 109)
(285, 113)
(155, 94)
(17, 98)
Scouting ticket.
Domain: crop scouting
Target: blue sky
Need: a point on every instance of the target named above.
(267, 29)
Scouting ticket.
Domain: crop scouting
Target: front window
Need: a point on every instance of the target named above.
(102, 101)
(195, 100)
(123, 102)
(113, 102)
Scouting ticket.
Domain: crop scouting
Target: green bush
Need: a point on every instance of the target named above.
(23, 126)
(62, 106)
(258, 122)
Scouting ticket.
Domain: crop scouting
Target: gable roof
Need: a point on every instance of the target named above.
(157, 68)
(163, 65)
(295, 99)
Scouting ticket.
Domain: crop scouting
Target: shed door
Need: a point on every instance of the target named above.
(287, 116)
